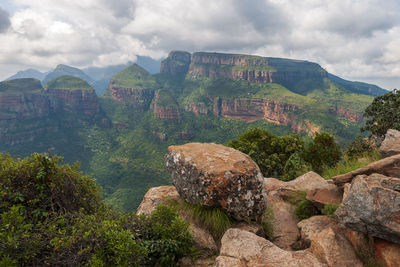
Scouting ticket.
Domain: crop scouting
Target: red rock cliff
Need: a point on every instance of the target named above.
(165, 112)
(75, 101)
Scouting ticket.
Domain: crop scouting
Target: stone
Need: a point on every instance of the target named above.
(203, 240)
(372, 206)
(154, 197)
(254, 228)
(334, 249)
(313, 225)
(242, 248)
(284, 222)
(329, 194)
(189, 262)
(363, 244)
(217, 176)
(387, 253)
(306, 182)
(389, 166)
(391, 144)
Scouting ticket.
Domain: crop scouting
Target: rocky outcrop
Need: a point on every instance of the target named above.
(164, 107)
(391, 144)
(156, 196)
(242, 248)
(389, 166)
(348, 114)
(372, 206)
(177, 63)
(74, 101)
(215, 175)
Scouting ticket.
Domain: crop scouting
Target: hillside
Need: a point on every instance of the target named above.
(122, 137)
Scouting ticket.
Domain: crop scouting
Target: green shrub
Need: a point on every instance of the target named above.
(267, 223)
(304, 208)
(329, 209)
(295, 166)
(269, 151)
(359, 148)
(323, 152)
(50, 214)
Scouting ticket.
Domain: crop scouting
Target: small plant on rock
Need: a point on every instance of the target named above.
(329, 209)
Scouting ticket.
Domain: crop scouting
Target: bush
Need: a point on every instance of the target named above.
(294, 167)
(360, 147)
(51, 214)
(304, 208)
(383, 114)
(323, 152)
(269, 151)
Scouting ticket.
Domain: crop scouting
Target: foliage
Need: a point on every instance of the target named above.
(52, 214)
(383, 114)
(304, 208)
(211, 218)
(346, 165)
(329, 209)
(294, 167)
(359, 148)
(268, 150)
(20, 85)
(69, 83)
(134, 77)
(323, 152)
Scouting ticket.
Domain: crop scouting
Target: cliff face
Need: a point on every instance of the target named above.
(164, 107)
(75, 101)
(177, 63)
(138, 98)
(347, 114)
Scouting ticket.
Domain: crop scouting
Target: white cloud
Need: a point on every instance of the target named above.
(351, 38)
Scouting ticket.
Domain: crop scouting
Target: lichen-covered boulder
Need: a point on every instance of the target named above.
(391, 144)
(218, 176)
(372, 206)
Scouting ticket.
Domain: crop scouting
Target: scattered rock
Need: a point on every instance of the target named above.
(363, 244)
(242, 248)
(389, 166)
(329, 194)
(334, 249)
(307, 182)
(157, 195)
(284, 222)
(391, 144)
(387, 253)
(188, 262)
(372, 206)
(311, 226)
(154, 197)
(254, 228)
(216, 175)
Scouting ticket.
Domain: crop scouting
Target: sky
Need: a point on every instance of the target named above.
(354, 39)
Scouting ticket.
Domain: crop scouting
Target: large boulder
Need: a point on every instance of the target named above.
(389, 166)
(391, 144)
(241, 248)
(372, 206)
(156, 196)
(218, 176)
(329, 194)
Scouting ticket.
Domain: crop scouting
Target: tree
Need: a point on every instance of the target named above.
(383, 114)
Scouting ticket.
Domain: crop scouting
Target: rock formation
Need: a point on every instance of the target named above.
(164, 106)
(372, 206)
(215, 175)
(391, 144)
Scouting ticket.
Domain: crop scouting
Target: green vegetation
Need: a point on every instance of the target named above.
(215, 220)
(360, 148)
(267, 223)
(304, 208)
(52, 214)
(68, 83)
(134, 77)
(20, 85)
(329, 209)
(383, 114)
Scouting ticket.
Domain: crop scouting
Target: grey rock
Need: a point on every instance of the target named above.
(391, 144)
(372, 206)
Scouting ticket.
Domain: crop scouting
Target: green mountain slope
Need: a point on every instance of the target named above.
(62, 70)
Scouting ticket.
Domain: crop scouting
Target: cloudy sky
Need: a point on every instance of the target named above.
(355, 39)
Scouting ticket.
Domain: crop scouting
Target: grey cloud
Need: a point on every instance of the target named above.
(121, 8)
(4, 20)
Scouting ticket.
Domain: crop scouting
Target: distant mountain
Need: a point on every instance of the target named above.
(62, 70)
(358, 87)
(149, 64)
(28, 73)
